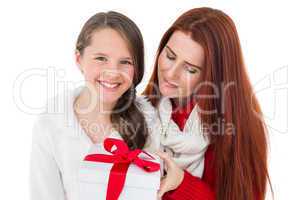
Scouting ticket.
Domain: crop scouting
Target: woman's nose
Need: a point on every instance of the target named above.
(174, 71)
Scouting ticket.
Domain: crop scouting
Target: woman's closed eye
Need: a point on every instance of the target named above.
(169, 56)
(191, 69)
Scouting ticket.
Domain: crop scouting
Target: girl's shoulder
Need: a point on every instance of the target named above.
(57, 115)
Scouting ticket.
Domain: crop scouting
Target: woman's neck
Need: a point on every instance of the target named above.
(182, 102)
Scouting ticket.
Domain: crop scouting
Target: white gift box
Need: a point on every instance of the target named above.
(139, 184)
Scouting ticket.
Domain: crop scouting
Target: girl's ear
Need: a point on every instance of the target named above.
(78, 60)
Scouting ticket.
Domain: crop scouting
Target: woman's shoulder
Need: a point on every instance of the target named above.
(153, 123)
(145, 106)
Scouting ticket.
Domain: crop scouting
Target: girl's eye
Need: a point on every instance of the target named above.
(101, 58)
(191, 70)
(126, 62)
(170, 57)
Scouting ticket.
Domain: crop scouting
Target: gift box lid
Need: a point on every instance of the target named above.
(98, 173)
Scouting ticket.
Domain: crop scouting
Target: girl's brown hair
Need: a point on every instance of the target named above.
(241, 152)
(129, 119)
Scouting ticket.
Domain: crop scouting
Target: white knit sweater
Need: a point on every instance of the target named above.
(59, 145)
(186, 147)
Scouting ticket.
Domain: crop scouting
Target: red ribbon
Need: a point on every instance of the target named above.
(121, 158)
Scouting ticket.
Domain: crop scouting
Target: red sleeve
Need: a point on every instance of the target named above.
(191, 188)
(194, 188)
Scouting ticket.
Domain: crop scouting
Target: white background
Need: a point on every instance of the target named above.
(42, 34)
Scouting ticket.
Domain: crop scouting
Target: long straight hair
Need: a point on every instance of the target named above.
(130, 121)
(241, 151)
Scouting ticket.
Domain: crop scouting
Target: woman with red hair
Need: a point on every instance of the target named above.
(200, 69)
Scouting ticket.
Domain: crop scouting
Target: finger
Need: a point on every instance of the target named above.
(162, 184)
(166, 158)
(162, 155)
(162, 188)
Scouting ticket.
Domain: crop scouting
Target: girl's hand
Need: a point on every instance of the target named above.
(174, 175)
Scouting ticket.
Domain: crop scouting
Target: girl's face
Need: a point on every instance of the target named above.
(179, 66)
(107, 65)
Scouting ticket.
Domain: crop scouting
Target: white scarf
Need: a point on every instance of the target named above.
(186, 147)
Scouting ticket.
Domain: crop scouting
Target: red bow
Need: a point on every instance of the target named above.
(121, 158)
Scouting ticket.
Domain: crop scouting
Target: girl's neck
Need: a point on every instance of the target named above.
(88, 105)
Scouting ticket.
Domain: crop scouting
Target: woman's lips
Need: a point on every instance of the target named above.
(170, 84)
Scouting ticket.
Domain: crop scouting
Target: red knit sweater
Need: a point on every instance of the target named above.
(193, 188)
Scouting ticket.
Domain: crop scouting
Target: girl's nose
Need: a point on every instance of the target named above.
(111, 74)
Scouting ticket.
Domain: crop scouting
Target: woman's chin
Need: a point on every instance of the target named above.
(166, 92)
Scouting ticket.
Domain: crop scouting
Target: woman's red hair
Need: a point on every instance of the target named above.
(240, 152)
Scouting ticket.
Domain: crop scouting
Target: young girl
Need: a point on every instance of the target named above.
(110, 55)
(203, 83)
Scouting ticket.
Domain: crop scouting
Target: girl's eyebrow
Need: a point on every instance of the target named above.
(127, 58)
(174, 54)
(103, 54)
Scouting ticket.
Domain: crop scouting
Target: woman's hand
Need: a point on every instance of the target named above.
(174, 175)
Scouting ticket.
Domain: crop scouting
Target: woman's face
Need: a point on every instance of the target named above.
(179, 66)
(107, 65)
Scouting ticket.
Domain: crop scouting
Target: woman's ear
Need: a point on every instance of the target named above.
(78, 60)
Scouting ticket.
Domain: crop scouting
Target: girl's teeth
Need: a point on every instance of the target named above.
(109, 85)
